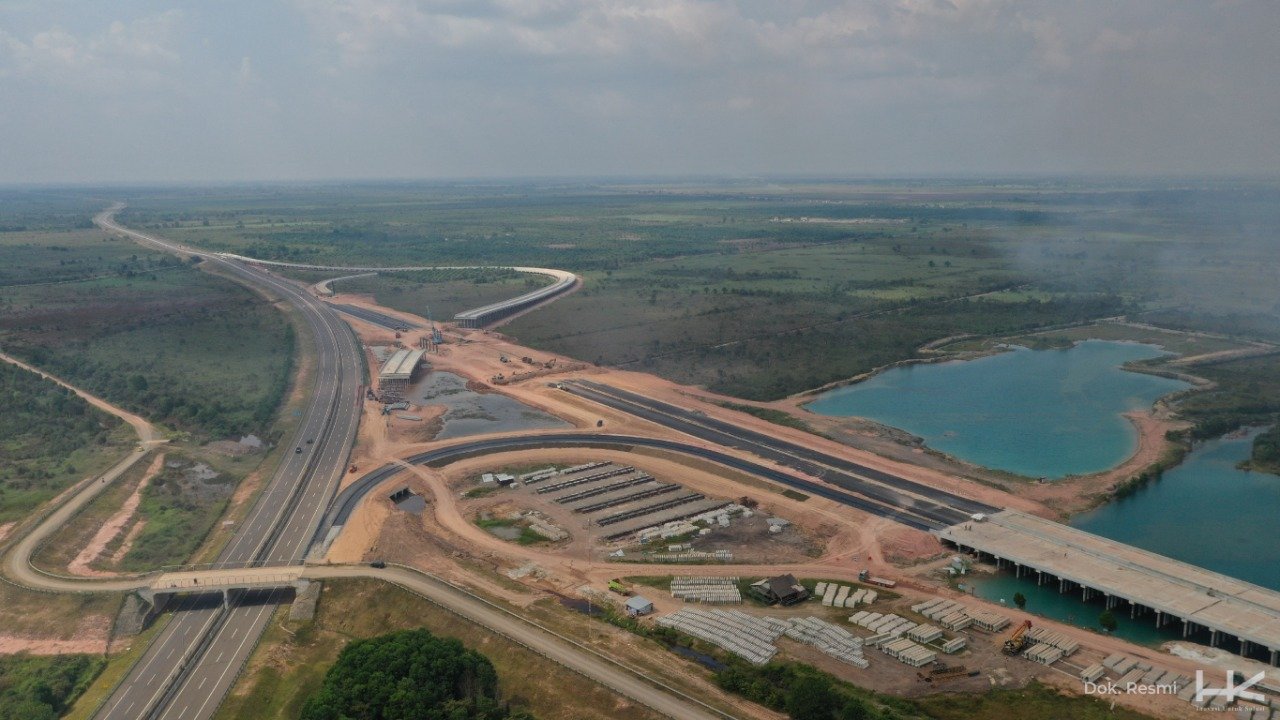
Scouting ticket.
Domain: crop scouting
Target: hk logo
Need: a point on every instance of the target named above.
(1231, 692)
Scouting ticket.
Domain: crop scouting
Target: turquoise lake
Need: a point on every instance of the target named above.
(1039, 413)
(1205, 512)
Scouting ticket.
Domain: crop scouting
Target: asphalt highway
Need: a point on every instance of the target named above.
(377, 318)
(193, 662)
(351, 496)
(939, 506)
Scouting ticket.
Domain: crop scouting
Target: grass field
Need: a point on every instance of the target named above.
(49, 439)
(159, 337)
(292, 658)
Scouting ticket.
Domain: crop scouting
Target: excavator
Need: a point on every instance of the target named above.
(1017, 642)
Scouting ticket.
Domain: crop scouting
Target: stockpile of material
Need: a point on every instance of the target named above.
(748, 637)
(836, 595)
(924, 633)
(954, 616)
(1093, 673)
(1055, 639)
(903, 650)
(714, 590)
(830, 639)
(1043, 654)
(989, 621)
(548, 531)
(883, 626)
(692, 556)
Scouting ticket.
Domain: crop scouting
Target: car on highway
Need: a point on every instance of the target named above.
(298, 450)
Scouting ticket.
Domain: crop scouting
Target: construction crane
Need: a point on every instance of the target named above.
(1017, 642)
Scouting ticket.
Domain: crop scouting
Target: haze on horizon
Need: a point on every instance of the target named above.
(148, 91)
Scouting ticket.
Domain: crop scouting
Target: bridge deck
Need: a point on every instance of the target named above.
(1209, 599)
(234, 578)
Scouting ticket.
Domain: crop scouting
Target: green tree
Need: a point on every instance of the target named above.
(854, 709)
(1108, 621)
(810, 698)
(409, 674)
(1020, 600)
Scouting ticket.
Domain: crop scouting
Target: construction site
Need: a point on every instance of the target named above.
(622, 511)
(697, 548)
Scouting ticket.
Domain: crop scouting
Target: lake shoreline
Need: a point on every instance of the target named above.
(1069, 493)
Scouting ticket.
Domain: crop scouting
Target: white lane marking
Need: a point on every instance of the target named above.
(247, 636)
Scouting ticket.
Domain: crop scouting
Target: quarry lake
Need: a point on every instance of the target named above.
(1039, 413)
(1205, 512)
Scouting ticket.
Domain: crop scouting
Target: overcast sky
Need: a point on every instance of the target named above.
(131, 90)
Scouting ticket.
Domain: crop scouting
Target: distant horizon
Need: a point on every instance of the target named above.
(691, 179)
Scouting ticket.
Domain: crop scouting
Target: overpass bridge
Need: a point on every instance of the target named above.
(232, 583)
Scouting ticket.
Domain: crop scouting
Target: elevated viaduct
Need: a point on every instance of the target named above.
(1169, 590)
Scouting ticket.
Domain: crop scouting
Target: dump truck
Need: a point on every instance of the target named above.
(1017, 641)
(617, 586)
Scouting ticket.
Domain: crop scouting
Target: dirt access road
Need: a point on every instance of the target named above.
(17, 562)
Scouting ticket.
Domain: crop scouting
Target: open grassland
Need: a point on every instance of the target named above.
(179, 346)
(292, 658)
(49, 439)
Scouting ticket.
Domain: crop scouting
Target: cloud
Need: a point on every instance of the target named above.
(121, 53)
(316, 88)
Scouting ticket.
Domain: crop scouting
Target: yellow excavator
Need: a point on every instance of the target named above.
(1017, 642)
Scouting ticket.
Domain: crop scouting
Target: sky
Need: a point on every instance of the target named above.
(136, 91)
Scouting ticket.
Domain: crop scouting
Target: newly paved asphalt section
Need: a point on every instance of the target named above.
(190, 666)
(377, 318)
(937, 507)
(352, 495)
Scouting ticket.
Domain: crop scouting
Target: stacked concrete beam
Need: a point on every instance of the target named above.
(908, 652)
(712, 590)
(954, 645)
(1093, 673)
(1056, 639)
(1043, 654)
(989, 621)
(748, 637)
(924, 633)
(830, 639)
